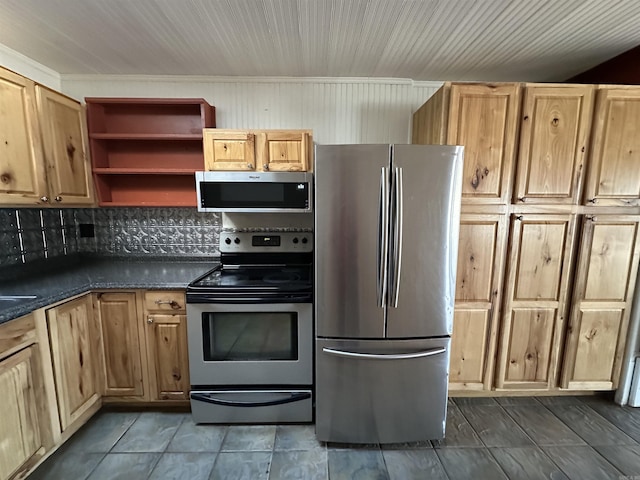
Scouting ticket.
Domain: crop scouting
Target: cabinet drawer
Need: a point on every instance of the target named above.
(164, 301)
(17, 334)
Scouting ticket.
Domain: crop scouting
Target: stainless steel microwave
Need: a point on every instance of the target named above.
(255, 192)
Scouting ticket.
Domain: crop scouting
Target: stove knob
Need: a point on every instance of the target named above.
(227, 240)
(304, 240)
(295, 239)
(236, 241)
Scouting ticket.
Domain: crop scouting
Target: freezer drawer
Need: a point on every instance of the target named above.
(381, 391)
(252, 406)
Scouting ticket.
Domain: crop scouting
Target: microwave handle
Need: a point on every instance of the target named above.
(287, 398)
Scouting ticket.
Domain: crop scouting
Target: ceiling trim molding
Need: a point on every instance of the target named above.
(221, 79)
(29, 68)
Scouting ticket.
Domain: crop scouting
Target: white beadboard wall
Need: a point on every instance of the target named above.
(338, 110)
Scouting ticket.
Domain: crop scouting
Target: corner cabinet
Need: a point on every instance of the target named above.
(43, 154)
(258, 150)
(145, 151)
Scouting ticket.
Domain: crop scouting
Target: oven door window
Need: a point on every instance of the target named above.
(250, 336)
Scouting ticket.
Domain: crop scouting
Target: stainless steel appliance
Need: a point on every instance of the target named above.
(233, 192)
(386, 225)
(250, 330)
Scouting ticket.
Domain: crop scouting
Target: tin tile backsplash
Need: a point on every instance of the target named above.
(28, 234)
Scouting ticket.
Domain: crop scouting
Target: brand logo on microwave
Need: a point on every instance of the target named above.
(301, 186)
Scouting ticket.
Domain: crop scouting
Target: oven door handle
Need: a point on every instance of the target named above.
(241, 300)
(293, 397)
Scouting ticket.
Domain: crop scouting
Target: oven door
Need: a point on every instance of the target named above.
(250, 344)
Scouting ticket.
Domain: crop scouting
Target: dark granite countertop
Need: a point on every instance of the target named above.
(54, 280)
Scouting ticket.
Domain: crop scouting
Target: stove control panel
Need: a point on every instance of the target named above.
(266, 240)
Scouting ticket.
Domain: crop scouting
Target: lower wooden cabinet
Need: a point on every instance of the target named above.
(145, 345)
(75, 347)
(605, 281)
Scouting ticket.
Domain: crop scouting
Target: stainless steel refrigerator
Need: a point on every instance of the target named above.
(386, 230)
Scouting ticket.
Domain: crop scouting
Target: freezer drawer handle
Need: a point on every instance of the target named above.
(385, 356)
(294, 397)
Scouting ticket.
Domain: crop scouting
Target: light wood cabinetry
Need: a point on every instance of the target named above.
(536, 289)
(166, 336)
(145, 345)
(614, 171)
(64, 134)
(75, 346)
(261, 150)
(606, 276)
(479, 284)
(483, 118)
(44, 161)
(556, 121)
(123, 366)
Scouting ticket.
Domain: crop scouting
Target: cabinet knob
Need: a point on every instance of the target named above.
(58, 198)
(249, 165)
(44, 199)
(149, 320)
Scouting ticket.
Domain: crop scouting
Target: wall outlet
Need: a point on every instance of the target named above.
(86, 230)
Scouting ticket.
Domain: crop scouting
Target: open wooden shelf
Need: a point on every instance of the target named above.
(145, 150)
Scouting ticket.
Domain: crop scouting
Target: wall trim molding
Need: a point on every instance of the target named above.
(29, 68)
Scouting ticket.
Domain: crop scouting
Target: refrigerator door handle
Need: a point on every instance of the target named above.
(383, 238)
(397, 209)
(385, 356)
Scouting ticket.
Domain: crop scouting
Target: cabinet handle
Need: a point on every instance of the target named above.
(44, 199)
(172, 303)
(265, 166)
(149, 320)
(249, 165)
(58, 198)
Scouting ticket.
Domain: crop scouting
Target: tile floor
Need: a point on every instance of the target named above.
(517, 438)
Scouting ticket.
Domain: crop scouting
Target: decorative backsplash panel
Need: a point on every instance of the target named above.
(28, 234)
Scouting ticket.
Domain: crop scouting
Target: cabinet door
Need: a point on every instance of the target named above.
(614, 170)
(604, 285)
(22, 178)
(168, 358)
(484, 118)
(481, 253)
(65, 149)
(556, 121)
(283, 150)
(121, 343)
(19, 422)
(229, 150)
(75, 357)
(536, 288)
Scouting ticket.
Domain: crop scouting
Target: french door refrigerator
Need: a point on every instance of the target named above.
(386, 228)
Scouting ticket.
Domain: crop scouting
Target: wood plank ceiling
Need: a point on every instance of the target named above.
(535, 40)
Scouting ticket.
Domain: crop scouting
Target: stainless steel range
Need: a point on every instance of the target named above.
(250, 329)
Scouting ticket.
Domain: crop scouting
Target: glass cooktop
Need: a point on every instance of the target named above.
(270, 277)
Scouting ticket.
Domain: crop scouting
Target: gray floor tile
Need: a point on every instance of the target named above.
(297, 437)
(527, 463)
(560, 401)
(625, 459)
(64, 465)
(252, 438)
(426, 444)
(494, 427)
(593, 428)
(460, 401)
(413, 465)
(458, 432)
(582, 463)
(241, 466)
(517, 401)
(125, 466)
(356, 464)
(187, 466)
(470, 463)
(542, 426)
(296, 465)
(151, 432)
(626, 419)
(102, 432)
(197, 438)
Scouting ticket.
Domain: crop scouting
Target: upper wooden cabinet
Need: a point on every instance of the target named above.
(614, 170)
(43, 159)
(145, 151)
(555, 126)
(261, 150)
(483, 118)
(605, 281)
